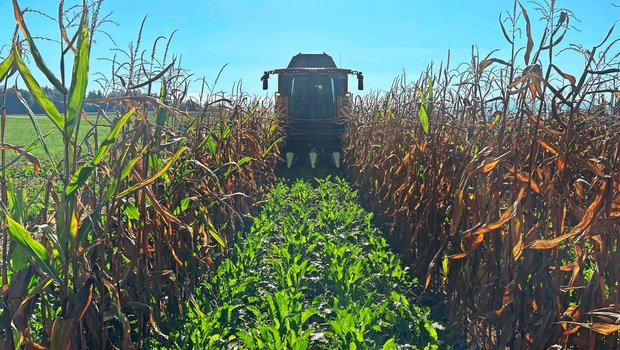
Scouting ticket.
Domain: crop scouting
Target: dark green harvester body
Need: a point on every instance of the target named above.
(313, 101)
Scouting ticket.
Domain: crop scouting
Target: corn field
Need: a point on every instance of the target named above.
(132, 221)
(497, 183)
(500, 185)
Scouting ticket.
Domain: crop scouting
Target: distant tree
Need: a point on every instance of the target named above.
(12, 103)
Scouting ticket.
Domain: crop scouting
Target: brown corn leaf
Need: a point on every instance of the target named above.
(22, 152)
(543, 127)
(501, 24)
(566, 76)
(428, 280)
(487, 62)
(571, 330)
(122, 318)
(525, 178)
(581, 226)
(605, 224)
(457, 256)
(518, 81)
(160, 208)
(518, 236)
(490, 166)
(156, 326)
(61, 337)
(548, 147)
(601, 328)
(579, 186)
(506, 215)
(561, 162)
(528, 32)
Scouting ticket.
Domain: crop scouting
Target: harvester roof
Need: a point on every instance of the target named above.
(304, 63)
(304, 60)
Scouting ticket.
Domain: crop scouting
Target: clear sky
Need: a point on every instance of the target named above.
(380, 38)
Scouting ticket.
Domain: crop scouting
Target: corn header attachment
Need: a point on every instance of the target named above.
(314, 103)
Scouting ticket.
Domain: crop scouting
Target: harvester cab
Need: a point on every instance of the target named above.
(314, 103)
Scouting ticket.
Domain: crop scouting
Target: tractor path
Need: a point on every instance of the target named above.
(312, 272)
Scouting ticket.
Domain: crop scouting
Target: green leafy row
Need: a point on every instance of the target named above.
(312, 272)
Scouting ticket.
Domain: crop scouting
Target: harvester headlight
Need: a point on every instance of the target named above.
(277, 94)
(313, 158)
(336, 159)
(289, 159)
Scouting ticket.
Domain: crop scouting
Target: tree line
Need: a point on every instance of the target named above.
(10, 100)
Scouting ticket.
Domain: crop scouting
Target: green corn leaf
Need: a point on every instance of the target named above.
(422, 113)
(111, 138)
(19, 259)
(423, 118)
(246, 338)
(225, 134)
(79, 78)
(162, 113)
(36, 55)
(422, 96)
(210, 143)
(109, 192)
(282, 302)
(33, 120)
(307, 313)
(15, 197)
(238, 165)
(5, 66)
(185, 202)
(274, 144)
(157, 175)
(244, 161)
(127, 169)
(82, 174)
(390, 345)
(51, 236)
(34, 249)
(432, 332)
(67, 230)
(35, 89)
(131, 211)
(88, 224)
(430, 88)
(22, 236)
(217, 237)
(78, 179)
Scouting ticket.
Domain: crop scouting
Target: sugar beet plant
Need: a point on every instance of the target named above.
(133, 213)
(501, 183)
(311, 273)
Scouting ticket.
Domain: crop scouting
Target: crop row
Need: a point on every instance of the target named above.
(501, 184)
(312, 272)
(140, 205)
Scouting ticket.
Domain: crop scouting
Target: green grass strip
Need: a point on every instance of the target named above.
(311, 273)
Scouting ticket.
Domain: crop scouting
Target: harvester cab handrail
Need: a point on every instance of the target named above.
(304, 71)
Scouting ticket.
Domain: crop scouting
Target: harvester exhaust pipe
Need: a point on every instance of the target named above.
(289, 159)
(313, 158)
(336, 159)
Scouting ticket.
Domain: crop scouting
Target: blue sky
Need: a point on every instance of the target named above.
(380, 38)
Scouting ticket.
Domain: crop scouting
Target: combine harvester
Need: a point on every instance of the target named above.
(314, 103)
